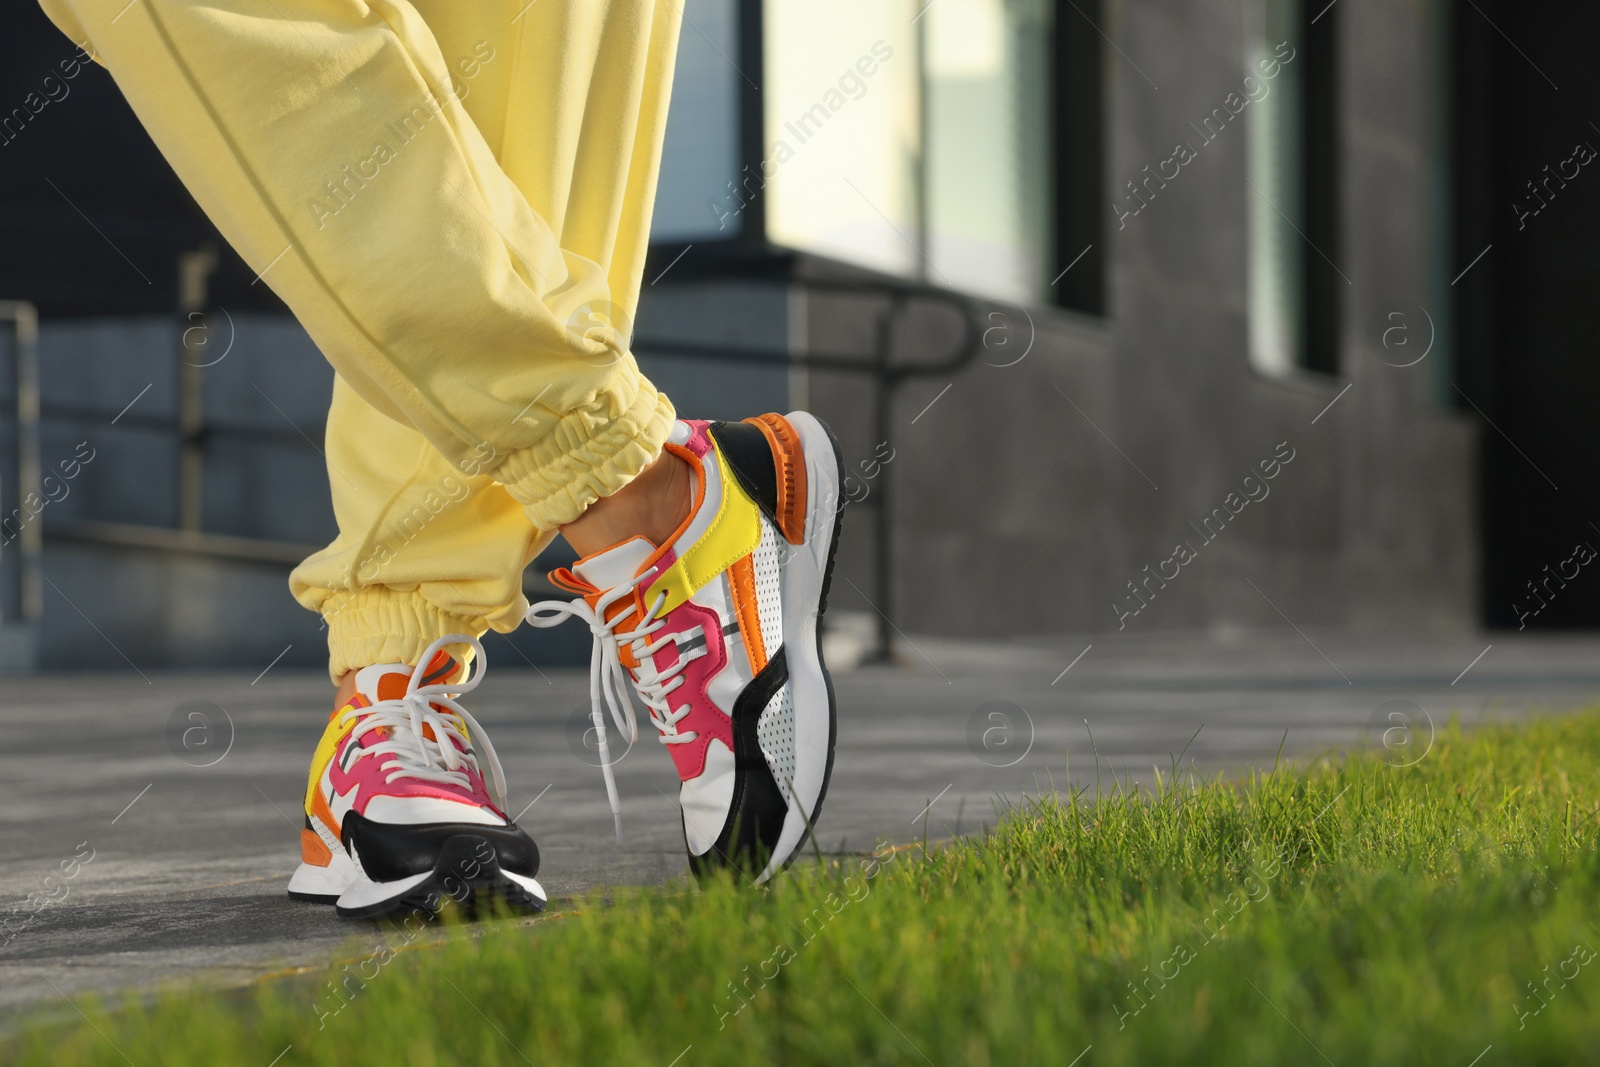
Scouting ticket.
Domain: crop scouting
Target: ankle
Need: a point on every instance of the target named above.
(653, 505)
(346, 690)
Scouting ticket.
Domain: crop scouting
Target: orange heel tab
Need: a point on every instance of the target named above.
(788, 457)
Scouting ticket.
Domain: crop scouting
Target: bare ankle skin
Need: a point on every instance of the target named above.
(347, 689)
(654, 504)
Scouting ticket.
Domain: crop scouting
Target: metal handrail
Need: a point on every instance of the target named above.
(24, 318)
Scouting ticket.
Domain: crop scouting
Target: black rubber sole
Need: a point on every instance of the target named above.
(313, 898)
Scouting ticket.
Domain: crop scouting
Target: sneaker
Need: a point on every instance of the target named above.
(717, 632)
(398, 813)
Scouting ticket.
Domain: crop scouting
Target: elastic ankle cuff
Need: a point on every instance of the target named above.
(380, 625)
(590, 454)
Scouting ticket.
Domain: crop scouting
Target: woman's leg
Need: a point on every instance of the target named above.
(454, 200)
(425, 548)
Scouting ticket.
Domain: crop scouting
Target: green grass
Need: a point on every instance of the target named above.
(1350, 912)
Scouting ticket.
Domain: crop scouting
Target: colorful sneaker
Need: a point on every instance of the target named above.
(398, 814)
(716, 630)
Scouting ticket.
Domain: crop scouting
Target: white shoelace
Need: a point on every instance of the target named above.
(609, 679)
(408, 752)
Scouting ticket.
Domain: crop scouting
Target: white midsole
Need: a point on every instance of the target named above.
(802, 577)
(364, 892)
(313, 881)
(330, 881)
(530, 884)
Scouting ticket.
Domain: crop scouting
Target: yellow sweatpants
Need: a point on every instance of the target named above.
(453, 196)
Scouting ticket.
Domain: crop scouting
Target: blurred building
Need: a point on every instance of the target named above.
(1130, 314)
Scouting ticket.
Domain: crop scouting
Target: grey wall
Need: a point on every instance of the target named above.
(1013, 514)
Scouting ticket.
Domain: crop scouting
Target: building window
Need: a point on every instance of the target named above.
(843, 131)
(907, 137)
(986, 71)
(1295, 282)
(913, 138)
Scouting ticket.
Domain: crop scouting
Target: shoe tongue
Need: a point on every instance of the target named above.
(383, 681)
(615, 566)
(389, 681)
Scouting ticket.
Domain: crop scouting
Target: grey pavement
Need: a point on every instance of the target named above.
(186, 879)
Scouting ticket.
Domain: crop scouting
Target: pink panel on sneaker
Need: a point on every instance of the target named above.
(704, 718)
(369, 774)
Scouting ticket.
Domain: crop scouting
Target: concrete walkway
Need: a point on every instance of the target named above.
(189, 862)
